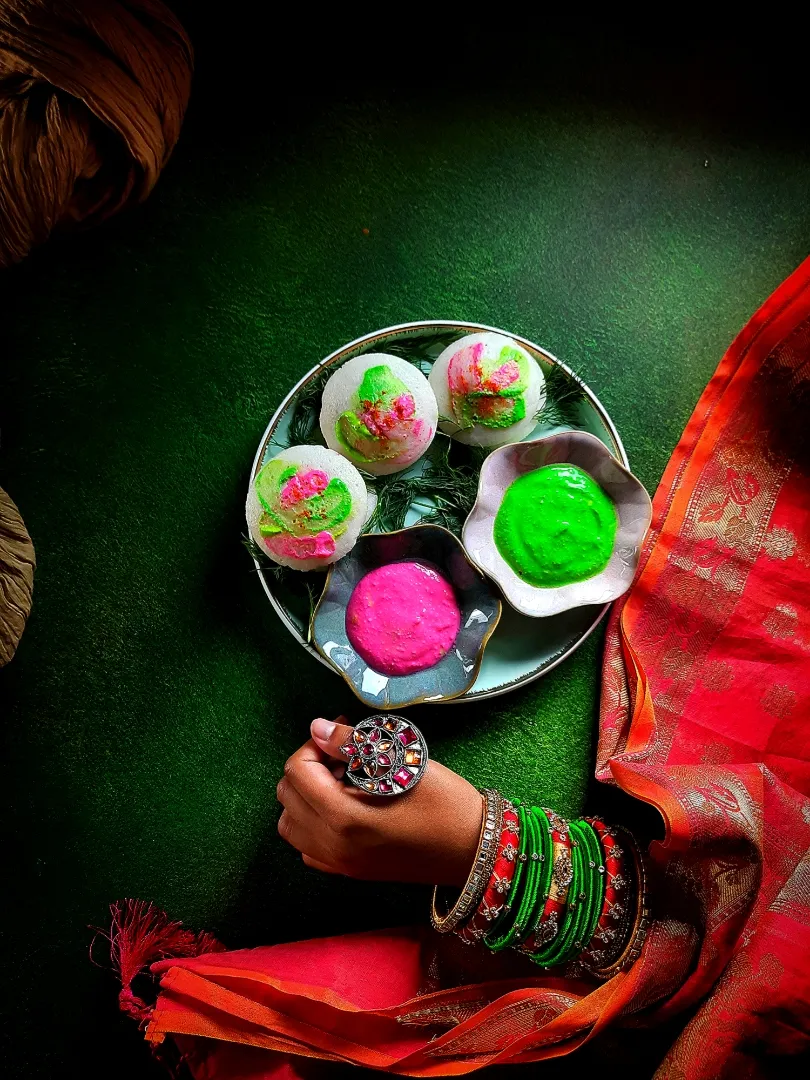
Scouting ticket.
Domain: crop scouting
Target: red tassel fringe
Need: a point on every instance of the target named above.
(141, 934)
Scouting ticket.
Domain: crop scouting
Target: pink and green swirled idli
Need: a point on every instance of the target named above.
(384, 420)
(304, 511)
(488, 388)
(379, 411)
(304, 504)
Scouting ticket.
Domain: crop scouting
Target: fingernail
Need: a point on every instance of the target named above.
(322, 729)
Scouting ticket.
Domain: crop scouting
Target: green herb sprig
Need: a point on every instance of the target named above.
(444, 493)
(419, 351)
(564, 394)
(257, 554)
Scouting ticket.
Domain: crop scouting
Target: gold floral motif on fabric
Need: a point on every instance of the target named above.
(510, 1024)
(717, 675)
(779, 701)
(794, 899)
(715, 754)
(779, 544)
(781, 622)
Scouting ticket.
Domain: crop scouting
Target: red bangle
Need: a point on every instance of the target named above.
(608, 938)
(500, 880)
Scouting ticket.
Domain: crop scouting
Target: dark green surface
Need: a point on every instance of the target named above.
(625, 222)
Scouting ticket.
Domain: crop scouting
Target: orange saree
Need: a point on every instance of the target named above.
(705, 715)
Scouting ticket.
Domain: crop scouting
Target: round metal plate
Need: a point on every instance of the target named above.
(522, 648)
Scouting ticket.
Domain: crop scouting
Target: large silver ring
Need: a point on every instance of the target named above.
(387, 755)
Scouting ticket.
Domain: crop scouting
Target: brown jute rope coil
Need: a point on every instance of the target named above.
(92, 96)
(17, 564)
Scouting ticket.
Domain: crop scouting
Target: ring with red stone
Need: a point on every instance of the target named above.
(387, 755)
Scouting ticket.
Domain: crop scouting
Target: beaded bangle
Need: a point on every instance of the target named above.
(533, 876)
(544, 877)
(608, 941)
(641, 920)
(491, 828)
(500, 934)
(596, 882)
(553, 912)
(500, 880)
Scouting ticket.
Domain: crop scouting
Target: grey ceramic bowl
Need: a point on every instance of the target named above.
(633, 507)
(456, 672)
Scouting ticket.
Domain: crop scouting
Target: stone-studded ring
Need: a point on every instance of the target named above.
(387, 755)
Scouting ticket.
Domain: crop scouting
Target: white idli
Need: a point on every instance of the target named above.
(489, 389)
(380, 412)
(306, 506)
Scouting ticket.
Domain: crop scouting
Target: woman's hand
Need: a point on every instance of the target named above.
(427, 835)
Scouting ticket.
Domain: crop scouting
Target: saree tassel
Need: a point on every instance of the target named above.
(141, 934)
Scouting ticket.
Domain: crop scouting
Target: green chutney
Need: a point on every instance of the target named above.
(555, 526)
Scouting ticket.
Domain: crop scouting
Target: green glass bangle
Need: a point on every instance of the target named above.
(498, 937)
(531, 882)
(549, 934)
(546, 869)
(514, 923)
(585, 897)
(563, 944)
(576, 897)
(596, 866)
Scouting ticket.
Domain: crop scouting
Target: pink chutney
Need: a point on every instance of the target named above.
(402, 618)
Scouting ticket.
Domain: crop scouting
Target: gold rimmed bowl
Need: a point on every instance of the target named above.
(478, 603)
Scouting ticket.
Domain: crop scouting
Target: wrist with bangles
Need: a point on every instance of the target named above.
(561, 892)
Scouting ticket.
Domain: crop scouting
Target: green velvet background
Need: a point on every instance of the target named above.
(628, 207)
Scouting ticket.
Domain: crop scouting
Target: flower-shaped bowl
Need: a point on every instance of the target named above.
(480, 610)
(633, 508)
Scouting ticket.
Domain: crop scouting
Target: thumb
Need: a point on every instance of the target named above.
(330, 735)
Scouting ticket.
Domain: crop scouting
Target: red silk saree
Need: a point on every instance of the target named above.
(705, 715)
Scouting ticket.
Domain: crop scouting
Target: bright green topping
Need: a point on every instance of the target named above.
(374, 431)
(269, 481)
(379, 387)
(353, 434)
(509, 355)
(555, 526)
(268, 526)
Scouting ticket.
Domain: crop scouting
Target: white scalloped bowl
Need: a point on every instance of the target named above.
(633, 508)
